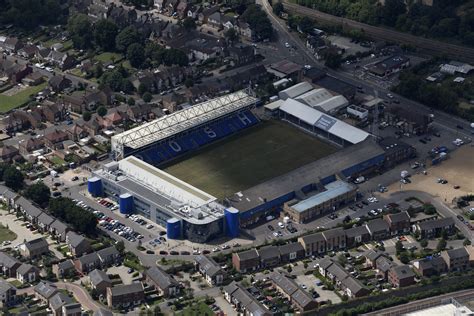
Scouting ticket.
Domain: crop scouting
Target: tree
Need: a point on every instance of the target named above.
(30, 14)
(391, 10)
(278, 8)
(424, 243)
(126, 37)
(142, 89)
(189, 24)
(231, 35)
(466, 242)
(404, 257)
(102, 111)
(13, 178)
(86, 116)
(147, 97)
(38, 193)
(429, 209)
(189, 82)
(65, 209)
(333, 60)
(105, 32)
(399, 247)
(120, 246)
(258, 22)
(80, 29)
(136, 55)
(131, 101)
(441, 244)
(342, 259)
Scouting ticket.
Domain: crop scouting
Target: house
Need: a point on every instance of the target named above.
(45, 290)
(125, 295)
(11, 45)
(433, 228)
(401, 276)
(336, 273)
(291, 252)
(398, 223)
(64, 269)
(335, 239)
(8, 265)
(299, 298)
(62, 60)
(389, 66)
(246, 261)
(371, 258)
(121, 16)
(54, 112)
(383, 266)
(76, 132)
(316, 45)
(55, 138)
(62, 305)
(77, 244)
(99, 281)
(7, 294)
(269, 256)
(28, 51)
(7, 153)
(59, 83)
(138, 113)
(354, 288)
(243, 302)
(109, 256)
(182, 9)
(58, 230)
(19, 121)
(30, 144)
(34, 248)
(313, 244)
(33, 79)
(324, 265)
(193, 11)
(203, 17)
(357, 235)
(209, 269)
(44, 222)
(87, 263)
(430, 266)
(14, 71)
(246, 31)
(241, 54)
(27, 273)
(456, 259)
(165, 284)
(30, 211)
(378, 229)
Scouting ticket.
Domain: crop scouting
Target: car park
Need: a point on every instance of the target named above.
(270, 227)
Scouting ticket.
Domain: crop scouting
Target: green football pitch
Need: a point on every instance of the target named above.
(253, 156)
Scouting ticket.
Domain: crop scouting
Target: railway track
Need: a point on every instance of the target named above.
(430, 46)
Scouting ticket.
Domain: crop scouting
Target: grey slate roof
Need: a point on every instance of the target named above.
(383, 264)
(98, 276)
(66, 265)
(210, 267)
(36, 244)
(436, 223)
(46, 289)
(268, 252)
(377, 225)
(162, 279)
(5, 286)
(7, 260)
(403, 271)
(372, 255)
(25, 268)
(28, 207)
(457, 253)
(126, 289)
(325, 263)
(399, 217)
(309, 239)
(74, 239)
(287, 285)
(290, 248)
(334, 233)
(337, 271)
(356, 231)
(353, 285)
(89, 258)
(108, 252)
(58, 300)
(45, 219)
(59, 226)
(248, 254)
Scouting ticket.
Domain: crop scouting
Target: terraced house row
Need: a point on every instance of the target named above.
(338, 239)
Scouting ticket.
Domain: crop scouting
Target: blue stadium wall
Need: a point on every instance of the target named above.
(361, 167)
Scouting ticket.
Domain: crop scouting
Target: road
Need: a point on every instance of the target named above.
(79, 293)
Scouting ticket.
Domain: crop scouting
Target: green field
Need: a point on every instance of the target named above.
(251, 157)
(107, 56)
(6, 234)
(8, 103)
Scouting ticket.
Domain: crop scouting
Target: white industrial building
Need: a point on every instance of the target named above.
(357, 111)
(295, 91)
(315, 97)
(320, 123)
(333, 105)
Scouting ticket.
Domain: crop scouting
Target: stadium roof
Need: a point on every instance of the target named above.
(310, 173)
(180, 121)
(322, 121)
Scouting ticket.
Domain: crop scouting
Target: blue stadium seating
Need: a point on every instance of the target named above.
(169, 149)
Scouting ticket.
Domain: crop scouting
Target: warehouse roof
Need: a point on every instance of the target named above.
(333, 104)
(325, 122)
(296, 90)
(332, 190)
(315, 97)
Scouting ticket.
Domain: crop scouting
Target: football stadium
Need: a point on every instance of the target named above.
(206, 171)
